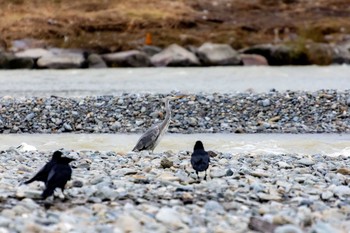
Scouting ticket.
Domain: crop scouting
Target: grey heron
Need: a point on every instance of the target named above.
(200, 159)
(150, 139)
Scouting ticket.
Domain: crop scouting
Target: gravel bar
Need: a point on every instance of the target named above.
(323, 111)
(142, 192)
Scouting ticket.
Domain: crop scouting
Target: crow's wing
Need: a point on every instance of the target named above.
(42, 173)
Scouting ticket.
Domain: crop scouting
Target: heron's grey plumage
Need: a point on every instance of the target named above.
(151, 138)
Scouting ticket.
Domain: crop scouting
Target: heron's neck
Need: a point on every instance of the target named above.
(167, 112)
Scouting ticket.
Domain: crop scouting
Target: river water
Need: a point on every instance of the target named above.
(69, 83)
(164, 80)
(329, 144)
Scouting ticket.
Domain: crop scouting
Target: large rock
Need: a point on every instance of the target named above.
(61, 59)
(175, 55)
(21, 63)
(254, 60)
(5, 60)
(278, 55)
(150, 50)
(132, 58)
(9, 61)
(341, 54)
(218, 55)
(34, 53)
(95, 61)
(319, 53)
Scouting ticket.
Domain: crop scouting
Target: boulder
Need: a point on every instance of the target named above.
(21, 63)
(95, 61)
(34, 53)
(341, 54)
(211, 54)
(61, 59)
(5, 59)
(175, 55)
(9, 61)
(319, 53)
(254, 60)
(278, 55)
(132, 58)
(150, 50)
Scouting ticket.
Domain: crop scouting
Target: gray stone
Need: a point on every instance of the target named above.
(341, 54)
(279, 54)
(61, 59)
(306, 161)
(322, 227)
(151, 50)
(21, 63)
(175, 55)
(214, 206)
(253, 60)
(340, 190)
(132, 58)
(218, 55)
(288, 228)
(326, 195)
(95, 61)
(170, 217)
(34, 53)
(266, 102)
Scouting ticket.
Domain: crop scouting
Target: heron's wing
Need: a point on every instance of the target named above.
(148, 139)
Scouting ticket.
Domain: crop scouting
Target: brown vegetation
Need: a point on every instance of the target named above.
(113, 25)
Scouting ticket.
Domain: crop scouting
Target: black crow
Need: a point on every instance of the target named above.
(200, 159)
(58, 176)
(44, 171)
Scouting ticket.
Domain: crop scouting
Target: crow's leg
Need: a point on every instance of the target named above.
(205, 176)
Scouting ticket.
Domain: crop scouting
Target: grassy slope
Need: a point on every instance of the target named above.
(113, 25)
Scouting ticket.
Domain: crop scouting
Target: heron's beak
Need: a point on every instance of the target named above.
(179, 96)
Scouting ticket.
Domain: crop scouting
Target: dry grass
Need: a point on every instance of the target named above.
(110, 25)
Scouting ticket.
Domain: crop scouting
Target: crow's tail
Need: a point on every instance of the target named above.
(46, 193)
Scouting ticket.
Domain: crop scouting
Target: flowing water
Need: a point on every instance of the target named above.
(164, 80)
(329, 144)
(68, 83)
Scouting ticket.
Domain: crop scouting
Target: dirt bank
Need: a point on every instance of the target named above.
(111, 25)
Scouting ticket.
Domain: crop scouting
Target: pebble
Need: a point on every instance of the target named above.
(288, 228)
(134, 193)
(170, 217)
(291, 112)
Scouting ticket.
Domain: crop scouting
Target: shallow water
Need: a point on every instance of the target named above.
(164, 80)
(330, 144)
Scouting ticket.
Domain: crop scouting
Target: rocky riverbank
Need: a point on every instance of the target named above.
(324, 111)
(208, 54)
(295, 32)
(142, 192)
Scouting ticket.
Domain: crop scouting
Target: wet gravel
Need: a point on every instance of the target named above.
(323, 111)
